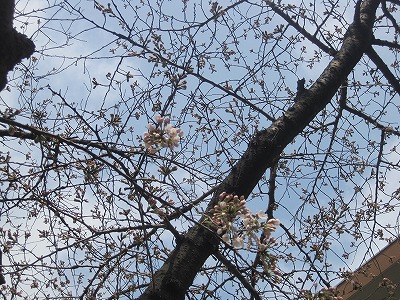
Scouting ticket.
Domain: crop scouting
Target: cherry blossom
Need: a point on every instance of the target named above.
(161, 135)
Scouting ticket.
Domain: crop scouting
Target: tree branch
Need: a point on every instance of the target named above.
(178, 272)
(300, 29)
(390, 16)
(369, 119)
(380, 42)
(384, 69)
(232, 268)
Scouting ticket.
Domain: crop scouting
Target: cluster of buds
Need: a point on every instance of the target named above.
(224, 213)
(325, 294)
(228, 209)
(161, 135)
(222, 217)
(252, 224)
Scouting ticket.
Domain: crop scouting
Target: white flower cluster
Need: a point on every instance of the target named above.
(228, 209)
(162, 135)
(221, 220)
(224, 213)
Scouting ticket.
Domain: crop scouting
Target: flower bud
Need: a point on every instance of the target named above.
(159, 119)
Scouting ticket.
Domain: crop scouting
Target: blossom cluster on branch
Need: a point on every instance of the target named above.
(252, 231)
(230, 207)
(161, 135)
(324, 294)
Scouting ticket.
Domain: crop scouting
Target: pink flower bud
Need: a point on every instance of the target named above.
(237, 242)
(274, 222)
(159, 119)
(226, 238)
(222, 204)
(150, 127)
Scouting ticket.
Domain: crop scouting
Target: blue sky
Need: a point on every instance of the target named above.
(69, 66)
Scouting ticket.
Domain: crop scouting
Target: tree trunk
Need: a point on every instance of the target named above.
(14, 46)
(174, 278)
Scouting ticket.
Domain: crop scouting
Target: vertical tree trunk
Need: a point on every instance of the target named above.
(14, 46)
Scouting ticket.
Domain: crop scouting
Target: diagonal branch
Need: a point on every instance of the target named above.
(232, 268)
(174, 278)
(384, 69)
(380, 42)
(371, 120)
(300, 29)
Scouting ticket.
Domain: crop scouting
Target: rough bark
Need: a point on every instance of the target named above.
(174, 278)
(14, 46)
